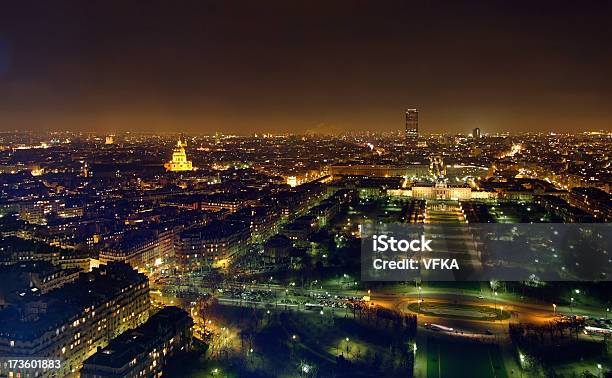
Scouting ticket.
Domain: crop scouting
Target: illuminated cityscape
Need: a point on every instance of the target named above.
(319, 189)
(253, 261)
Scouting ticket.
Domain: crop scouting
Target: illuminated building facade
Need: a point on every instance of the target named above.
(143, 351)
(141, 250)
(179, 160)
(212, 244)
(442, 191)
(222, 202)
(72, 322)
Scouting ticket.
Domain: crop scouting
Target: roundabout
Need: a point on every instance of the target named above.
(458, 311)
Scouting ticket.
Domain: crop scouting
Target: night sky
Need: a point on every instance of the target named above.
(330, 66)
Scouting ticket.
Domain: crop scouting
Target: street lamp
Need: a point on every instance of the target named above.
(495, 299)
(554, 308)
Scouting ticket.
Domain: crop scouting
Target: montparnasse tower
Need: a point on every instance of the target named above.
(179, 160)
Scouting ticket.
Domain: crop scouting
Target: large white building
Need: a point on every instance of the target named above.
(441, 191)
(179, 160)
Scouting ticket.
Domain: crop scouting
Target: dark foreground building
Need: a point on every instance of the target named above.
(143, 351)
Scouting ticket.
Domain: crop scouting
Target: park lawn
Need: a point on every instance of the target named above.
(318, 341)
(446, 358)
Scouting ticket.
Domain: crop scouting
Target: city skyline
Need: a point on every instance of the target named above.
(238, 68)
(226, 256)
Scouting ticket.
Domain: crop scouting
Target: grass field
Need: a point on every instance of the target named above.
(447, 358)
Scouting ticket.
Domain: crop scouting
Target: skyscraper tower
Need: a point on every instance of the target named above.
(476, 133)
(412, 124)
